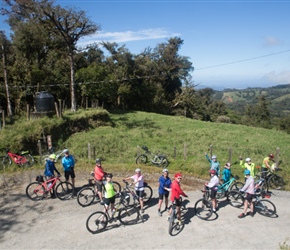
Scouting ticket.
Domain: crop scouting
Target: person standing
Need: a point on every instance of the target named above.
(227, 174)
(214, 164)
(110, 195)
(99, 175)
(49, 171)
(249, 188)
(163, 190)
(213, 186)
(68, 163)
(266, 162)
(248, 164)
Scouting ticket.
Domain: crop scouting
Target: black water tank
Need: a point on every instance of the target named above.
(44, 102)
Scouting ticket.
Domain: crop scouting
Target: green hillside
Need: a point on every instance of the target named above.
(116, 137)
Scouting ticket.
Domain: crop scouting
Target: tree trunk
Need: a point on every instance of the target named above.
(72, 83)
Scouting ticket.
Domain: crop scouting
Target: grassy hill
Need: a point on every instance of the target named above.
(117, 137)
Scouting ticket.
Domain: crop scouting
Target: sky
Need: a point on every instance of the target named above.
(231, 44)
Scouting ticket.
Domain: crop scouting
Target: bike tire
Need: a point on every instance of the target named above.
(97, 222)
(64, 190)
(163, 161)
(235, 198)
(27, 160)
(142, 159)
(86, 196)
(128, 215)
(35, 191)
(262, 189)
(117, 187)
(276, 182)
(148, 192)
(237, 185)
(265, 207)
(171, 222)
(203, 209)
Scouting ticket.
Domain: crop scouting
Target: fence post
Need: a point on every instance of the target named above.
(230, 155)
(94, 152)
(277, 156)
(184, 151)
(210, 150)
(28, 112)
(3, 118)
(89, 151)
(56, 110)
(174, 152)
(39, 148)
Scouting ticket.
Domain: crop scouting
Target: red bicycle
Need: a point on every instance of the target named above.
(40, 189)
(23, 159)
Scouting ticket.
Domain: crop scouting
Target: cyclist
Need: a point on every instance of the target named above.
(176, 193)
(163, 190)
(110, 194)
(227, 174)
(99, 175)
(249, 188)
(213, 186)
(49, 171)
(266, 162)
(214, 164)
(138, 181)
(68, 164)
(248, 164)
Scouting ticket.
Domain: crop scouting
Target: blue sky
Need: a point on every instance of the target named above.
(231, 44)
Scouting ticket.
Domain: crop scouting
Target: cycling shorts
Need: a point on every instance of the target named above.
(163, 195)
(69, 173)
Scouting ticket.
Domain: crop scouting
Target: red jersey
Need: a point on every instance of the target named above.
(99, 173)
(176, 191)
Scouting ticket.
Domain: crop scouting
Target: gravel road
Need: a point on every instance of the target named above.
(55, 224)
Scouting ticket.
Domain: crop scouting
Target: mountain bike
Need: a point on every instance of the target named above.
(262, 206)
(203, 207)
(59, 153)
(40, 189)
(273, 180)
(157, 160)
(148, 192)
(127, 215)
(88, 194)
(174, 227)
(232, 184)
(23, 159)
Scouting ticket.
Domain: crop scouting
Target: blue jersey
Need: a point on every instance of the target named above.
(214, 165)
(68, 162)
(226, 174)
(50, 168)
(164, 182)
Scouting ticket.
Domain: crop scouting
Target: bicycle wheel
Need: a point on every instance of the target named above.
(171, 222)
(235, 198)
(86, 196)
(27, 160)
(6, 162)
(117, 186)
(276, 182)
(262, 189)
(97, 222)
(221, 192)
(147, 194)
(162, 161)
(237, 185)
(141, 159)
(203, 209)
(35, 191)
(265, 207)
(64, 190)
(128, 215)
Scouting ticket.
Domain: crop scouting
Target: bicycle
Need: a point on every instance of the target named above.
(273, 180)
(232, 184)
(157, 160)
(59, 153)
(88, 194)
(203, 207)
(262, 206)
(127, 215)
(23, 159)
(148, 192)
(39, 189)
(174, 227)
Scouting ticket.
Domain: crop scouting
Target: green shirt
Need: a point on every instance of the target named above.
(250, 167)
(110, 192)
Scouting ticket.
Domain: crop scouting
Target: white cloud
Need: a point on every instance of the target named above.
(277, 78)
(127, 36)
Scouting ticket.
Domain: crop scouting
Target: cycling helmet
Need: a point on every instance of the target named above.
(228, 164)
(165, 170)
(137, 170)
(247, 172)
(271, 156)
(109, 175)
(212, 171)
(214, 157)
(52, 156)
(98, 160)
(248, 159)
(177, 175)
(66, 151)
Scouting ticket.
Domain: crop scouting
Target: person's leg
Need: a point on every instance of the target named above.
(73, 177)
(214, 204)
(245, 206)
(166, 203)
(178, 212)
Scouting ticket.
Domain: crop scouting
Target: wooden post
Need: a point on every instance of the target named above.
(60, 108)
(49, 142)
(89, 151)
(230, 155)
(87, 103)
(27, 112)
(56, 110)
(210, 150)
(39, 147)
(94, 152)
(138, 150)
(174, 152)
(277, 157)
(184, 152)
(3, 118)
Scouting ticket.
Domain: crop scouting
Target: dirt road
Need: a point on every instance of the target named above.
(55, 224)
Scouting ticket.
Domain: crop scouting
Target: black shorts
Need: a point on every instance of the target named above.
(109, 201)
(140, 194)
(249, 197)
(99, 185)
(163, 195)
(177, 202)
(213, 192)
(69, 173)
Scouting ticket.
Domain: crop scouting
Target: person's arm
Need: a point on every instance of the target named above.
(56, 170)
(207, 157)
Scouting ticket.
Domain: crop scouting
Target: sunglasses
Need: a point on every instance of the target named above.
(179, 178)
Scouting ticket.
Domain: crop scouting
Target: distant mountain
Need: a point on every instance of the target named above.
(236, 99)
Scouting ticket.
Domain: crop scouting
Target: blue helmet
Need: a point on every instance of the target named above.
(247, 172)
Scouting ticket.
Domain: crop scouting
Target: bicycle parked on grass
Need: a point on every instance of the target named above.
(156, 159)
(232, 184)
(22, 159)
(40, 189)
(148, 192)
(127, 215)
(203, 207)
(59, 153)
(174, 227)
(262, 206)
(88, 194)
(273, 180)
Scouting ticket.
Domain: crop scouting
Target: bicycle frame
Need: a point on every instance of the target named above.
(17, 159)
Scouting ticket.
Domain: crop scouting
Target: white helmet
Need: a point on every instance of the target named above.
(214, 157)
(137, 170)
(165, 170)
(248, 159)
